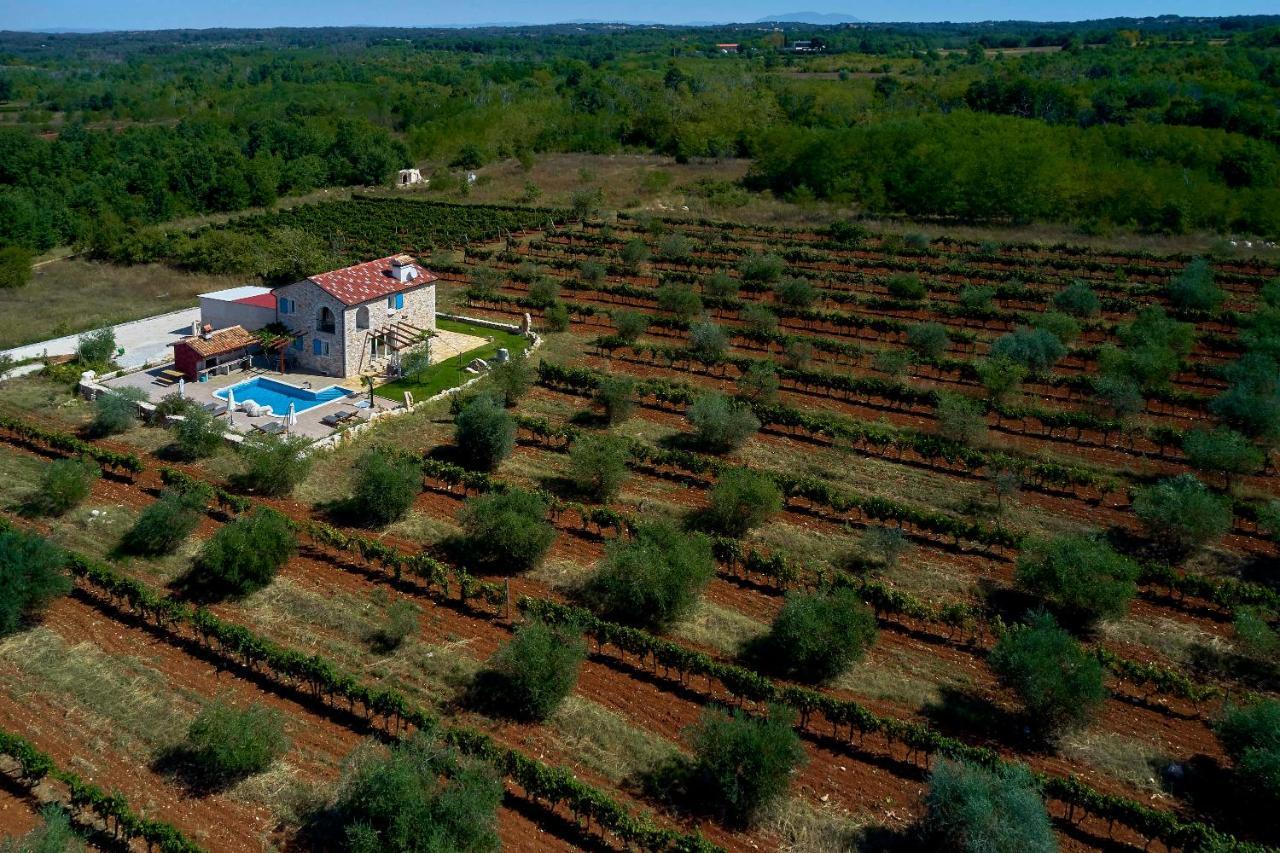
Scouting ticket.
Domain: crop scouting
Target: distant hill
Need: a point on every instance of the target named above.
(810, 18)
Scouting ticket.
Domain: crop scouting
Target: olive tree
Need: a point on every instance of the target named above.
(975, 809)
(817, 635)
(719, 423)
(1182, 511)
(742, 499)
(1057, 679)
(507, 530)
(484, 432)
(1080, 577)
(652, 579)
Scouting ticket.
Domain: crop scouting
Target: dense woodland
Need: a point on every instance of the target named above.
(1165, 125)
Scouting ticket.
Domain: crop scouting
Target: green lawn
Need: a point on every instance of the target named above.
(449, 374)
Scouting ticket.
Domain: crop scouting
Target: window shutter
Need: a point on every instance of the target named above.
(399, 300)
(315, 346)
(283, 305)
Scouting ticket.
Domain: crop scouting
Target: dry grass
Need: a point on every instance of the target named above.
(69, 296)
(1127, 759)
(607, 743)
(803, 827)
(719, 627)
(131, 699)
(902, 675)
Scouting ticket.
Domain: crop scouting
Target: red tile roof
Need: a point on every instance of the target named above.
(222, 341)
(370, 280)
(262, 300)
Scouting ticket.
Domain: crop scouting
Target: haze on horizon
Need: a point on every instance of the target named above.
(87, 15)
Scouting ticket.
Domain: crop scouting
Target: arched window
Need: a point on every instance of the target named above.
(362, 317)
(324, 320)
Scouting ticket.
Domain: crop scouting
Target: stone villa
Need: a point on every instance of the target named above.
(344, 323)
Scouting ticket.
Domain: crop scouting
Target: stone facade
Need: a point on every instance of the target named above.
(346, 351)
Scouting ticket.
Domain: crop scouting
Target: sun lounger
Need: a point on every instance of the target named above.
(270, 427)
(337, 418)
(215, 408)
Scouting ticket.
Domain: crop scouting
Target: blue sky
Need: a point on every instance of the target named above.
(163, 14)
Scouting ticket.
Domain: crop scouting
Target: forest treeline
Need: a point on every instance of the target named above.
(1161, 124)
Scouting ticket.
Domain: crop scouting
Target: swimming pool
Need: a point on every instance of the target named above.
(278, 395)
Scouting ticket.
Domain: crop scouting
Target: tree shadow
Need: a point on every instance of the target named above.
(961, 714)
(181, 764)
(589, 419)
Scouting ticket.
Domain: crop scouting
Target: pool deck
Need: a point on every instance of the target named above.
(308, 425)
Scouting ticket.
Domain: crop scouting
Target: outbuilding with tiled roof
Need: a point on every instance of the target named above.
(211, 351)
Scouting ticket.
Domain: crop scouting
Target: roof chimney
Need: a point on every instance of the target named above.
(402, 268)
(206, 331)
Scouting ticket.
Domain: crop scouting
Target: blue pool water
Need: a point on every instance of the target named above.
(278, 395)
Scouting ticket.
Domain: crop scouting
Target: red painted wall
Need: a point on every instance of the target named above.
(186, 360)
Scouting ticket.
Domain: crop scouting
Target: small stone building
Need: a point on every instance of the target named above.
(213, 352)
(408, 177)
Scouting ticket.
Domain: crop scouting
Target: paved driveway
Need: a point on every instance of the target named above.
(145, 341)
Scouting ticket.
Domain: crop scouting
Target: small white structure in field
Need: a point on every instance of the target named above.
(409, 177)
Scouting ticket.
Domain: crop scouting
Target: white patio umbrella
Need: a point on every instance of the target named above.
(231, 407)
(182, 389)
(293, 417)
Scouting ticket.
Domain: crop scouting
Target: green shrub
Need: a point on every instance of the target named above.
(797, 354)
(1182, 511)
(844, 231)
(31, 576)
(245, 554)
(1077, 299)
(485, 284)
(1079, 577)
(598, 467)
(15, 267)
(116, 411)
(615, 396)
(972, 809)
(399, 622)
(740, 763)
(1251, 402)
(227, 743)
(906, 286)
(1251, 736)
(721, 285)
(544, 292)
(418, 797)
(652, 579)
(795, 293)
(484, 432)
(975, 297)
(1035, 349)
(708, 342)
(759, 319)
(384, 488)
(960, 419)
(817, 635)
(96, 349)
(761, 269)
(1000, 375)
(719, 423)
(556, 317)
(199, 434)
(884, 545)
(165, 524)
(1154, 347)
(928, 340)
(1058, 680)
(680, 300)
(512, 378)
(1254, 636)
(630, 325)
(64, 484)
(592, 272)
(508, 530)
(273, 464)
(1223, 451)
(634, 253)
(1062, 326)
(536, 670)
(1194, 289)
(742, 499)
(55, 834)
(1119, 396)
(759, 383)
